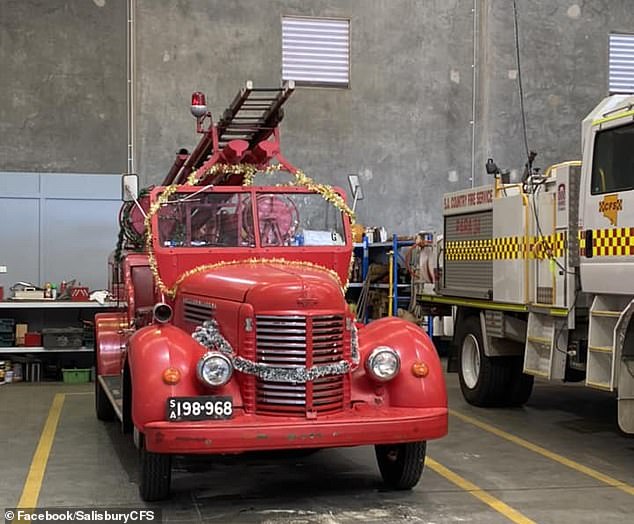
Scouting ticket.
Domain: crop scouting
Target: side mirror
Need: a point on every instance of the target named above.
(356, 189)
(130, 187)
(491, 167)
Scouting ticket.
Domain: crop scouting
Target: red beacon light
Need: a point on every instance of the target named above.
(199, 104)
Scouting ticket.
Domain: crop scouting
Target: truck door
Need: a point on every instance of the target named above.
(607, 203)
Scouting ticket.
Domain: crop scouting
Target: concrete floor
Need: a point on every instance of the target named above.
(92, 464)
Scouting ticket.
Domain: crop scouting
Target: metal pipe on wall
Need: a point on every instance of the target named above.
(474, 72)
(131, 52)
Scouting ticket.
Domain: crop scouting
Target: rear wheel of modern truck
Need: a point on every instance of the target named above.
(483, 380)
(401, 465)
(521, 384)
(155, 474)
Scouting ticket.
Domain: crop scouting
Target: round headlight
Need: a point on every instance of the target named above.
(383, 364)
(214, 369)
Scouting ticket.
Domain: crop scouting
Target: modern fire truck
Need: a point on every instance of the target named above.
(237, 336)
(540, 275)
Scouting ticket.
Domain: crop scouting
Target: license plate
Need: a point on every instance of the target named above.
(199, 408)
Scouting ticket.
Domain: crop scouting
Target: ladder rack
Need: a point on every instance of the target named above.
(254, 114)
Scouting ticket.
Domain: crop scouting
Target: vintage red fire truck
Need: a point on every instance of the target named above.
(236, 335)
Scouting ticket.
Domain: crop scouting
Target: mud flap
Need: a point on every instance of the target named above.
(626, 395)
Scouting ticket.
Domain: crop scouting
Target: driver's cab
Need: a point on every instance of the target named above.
(228, 223)
(221, 218)
(607, 197)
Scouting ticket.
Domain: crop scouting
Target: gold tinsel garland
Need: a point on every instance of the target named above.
(277, 261)
(249, 172)
(301, 180)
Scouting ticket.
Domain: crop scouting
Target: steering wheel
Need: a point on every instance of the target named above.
(278, 218)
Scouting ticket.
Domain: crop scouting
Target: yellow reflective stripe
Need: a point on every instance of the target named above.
(484, 304)
(507, 248)
(612, 117)
(612, 242)
(607, 242)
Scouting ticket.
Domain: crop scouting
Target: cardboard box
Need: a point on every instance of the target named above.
(20, 331)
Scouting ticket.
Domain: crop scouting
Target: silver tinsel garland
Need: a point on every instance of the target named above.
(209, 336)
(354, 347)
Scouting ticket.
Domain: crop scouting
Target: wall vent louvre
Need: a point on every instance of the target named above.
(621, 63)
(316, 51)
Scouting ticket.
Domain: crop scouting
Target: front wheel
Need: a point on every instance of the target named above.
(155, 474)
(401, 465)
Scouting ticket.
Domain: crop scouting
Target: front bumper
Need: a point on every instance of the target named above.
(361, 426)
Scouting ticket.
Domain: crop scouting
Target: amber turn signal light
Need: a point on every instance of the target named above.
(171, 376)
(420, 369)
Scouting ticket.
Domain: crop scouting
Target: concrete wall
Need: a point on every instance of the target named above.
(564, 59)
(404, 124)
(63, 85)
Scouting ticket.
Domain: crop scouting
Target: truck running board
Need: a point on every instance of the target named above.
(626, 395)
(603, 361)
(546, 346)
(112, 387)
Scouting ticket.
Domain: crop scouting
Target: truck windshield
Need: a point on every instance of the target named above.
(209, 219)
(613, 160)
(205, 220)
(298, 219)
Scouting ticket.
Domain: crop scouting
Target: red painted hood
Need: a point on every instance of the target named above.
(268, 286)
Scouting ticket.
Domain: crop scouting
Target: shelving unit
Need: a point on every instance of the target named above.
(57, 304)
(391, 250)
(41, 314)
(17, 350)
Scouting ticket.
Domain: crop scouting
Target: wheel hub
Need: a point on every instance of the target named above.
(470, 361)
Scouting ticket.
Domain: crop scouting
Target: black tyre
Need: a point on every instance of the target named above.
(155, 475)
(484, 381)
(401, 465)
(521, 385)
(103, 407)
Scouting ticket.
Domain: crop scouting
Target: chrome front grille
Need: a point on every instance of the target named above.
(281, 340)
(287, 341)
(327, 339)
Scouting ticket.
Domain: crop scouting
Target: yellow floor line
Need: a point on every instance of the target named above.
(79, 393)
(623, 486)
(33, 483)
(499, 506)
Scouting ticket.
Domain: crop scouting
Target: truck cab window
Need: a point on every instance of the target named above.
(205, 220)
(613, 162)
(298, 219)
